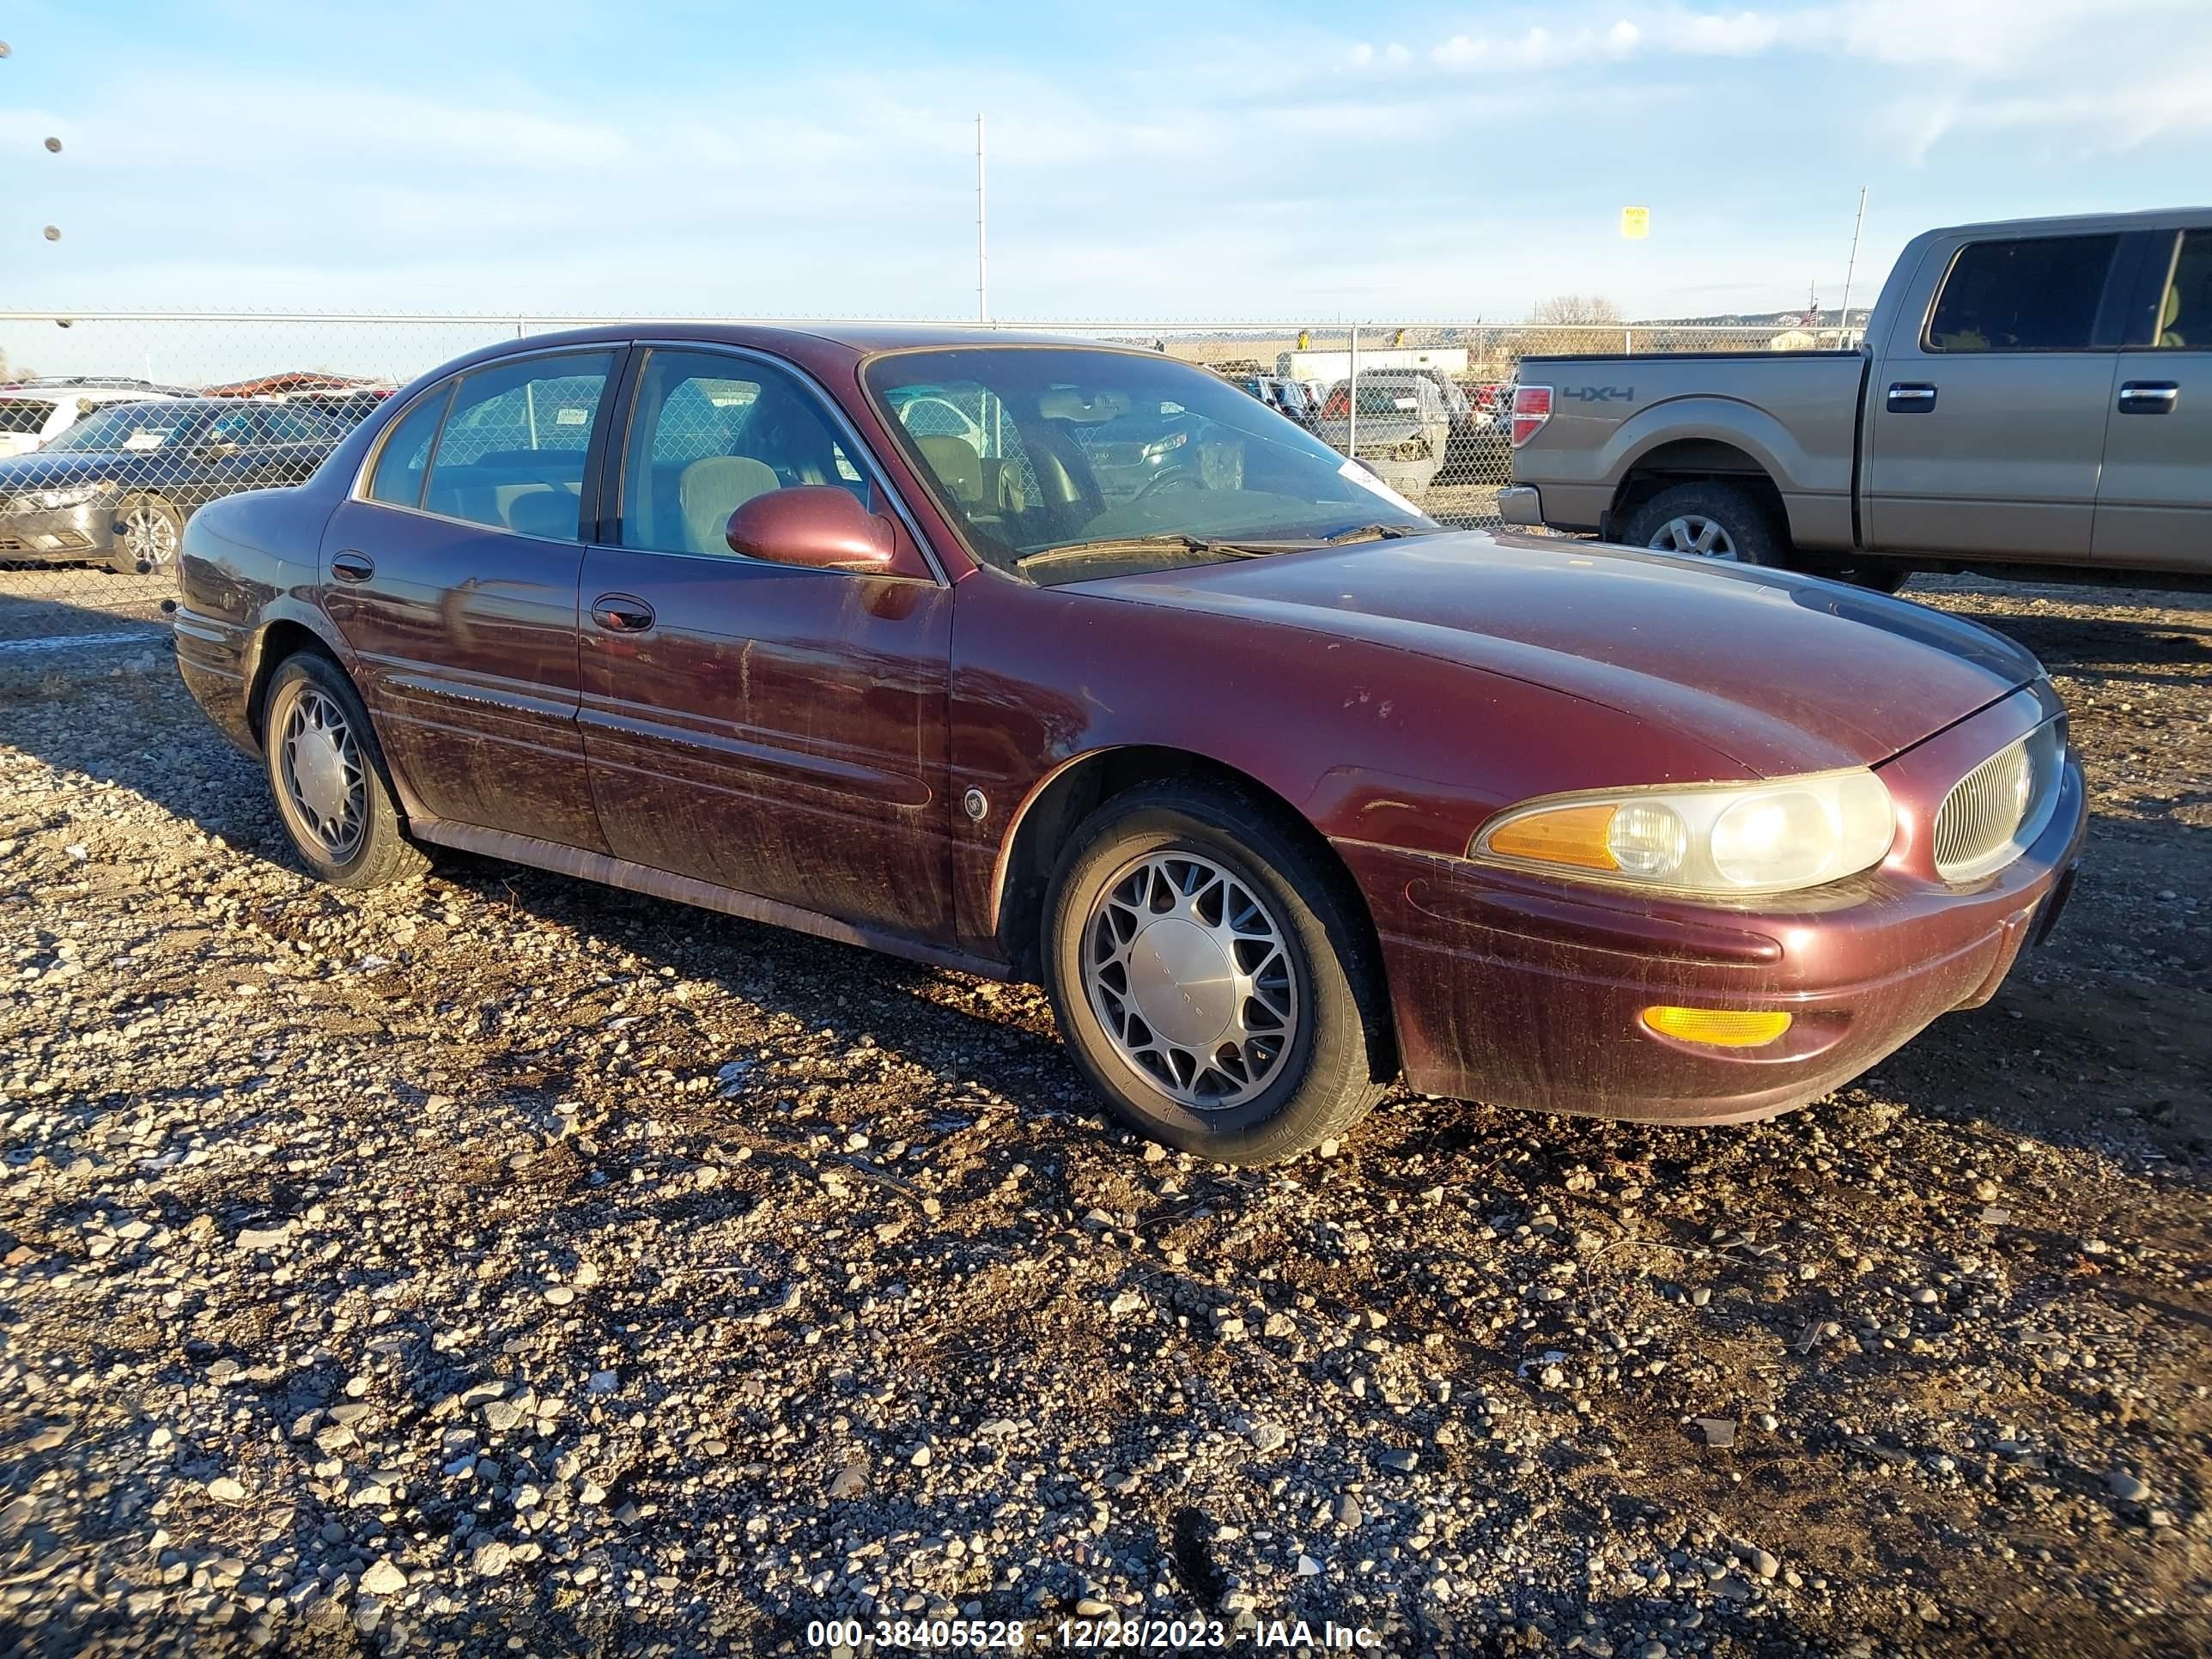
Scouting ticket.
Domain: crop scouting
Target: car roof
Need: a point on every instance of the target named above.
(53, 394)
(806, 340)
(2147, 219)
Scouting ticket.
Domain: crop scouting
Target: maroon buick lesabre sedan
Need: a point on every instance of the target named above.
(1073, 662)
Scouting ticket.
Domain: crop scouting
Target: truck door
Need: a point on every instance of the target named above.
(1987, 419)
(2154, 501)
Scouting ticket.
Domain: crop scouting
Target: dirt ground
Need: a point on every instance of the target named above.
(499, 1263)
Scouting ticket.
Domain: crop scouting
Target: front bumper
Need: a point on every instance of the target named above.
(1520, 504)
(59, 536)
(1527, 991)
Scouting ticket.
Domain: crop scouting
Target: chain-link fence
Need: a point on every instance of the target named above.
(116, 427)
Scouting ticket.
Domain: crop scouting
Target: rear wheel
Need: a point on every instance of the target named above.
(1736, 525)
(328, 778)
(1211, 978)
(1724, 522)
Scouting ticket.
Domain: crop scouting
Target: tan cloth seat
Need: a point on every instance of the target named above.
(958, 468)
(548, 511)
(711, 489)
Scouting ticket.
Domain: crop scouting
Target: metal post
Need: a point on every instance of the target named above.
(1851, 269)
(1628, 342)
(982, 261)
(1351, 401)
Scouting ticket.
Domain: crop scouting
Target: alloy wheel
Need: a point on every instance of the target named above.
(1190, 973)
(324, 779)
(1696, 535)
(150, 535)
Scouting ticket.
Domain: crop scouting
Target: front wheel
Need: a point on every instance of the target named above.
(1211, 978)
(149, 533)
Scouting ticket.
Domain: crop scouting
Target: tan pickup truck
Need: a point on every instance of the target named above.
(2033, 398)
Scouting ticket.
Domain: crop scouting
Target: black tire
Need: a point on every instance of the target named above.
(380, 854)
(1751, 529)
(156, 539)
(1340, 1058)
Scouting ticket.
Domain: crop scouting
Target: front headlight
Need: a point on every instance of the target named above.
(1771, 837)
(75, 496)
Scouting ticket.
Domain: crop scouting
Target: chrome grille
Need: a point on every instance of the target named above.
(1995, 812)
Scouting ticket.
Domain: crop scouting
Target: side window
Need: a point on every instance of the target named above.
(239, 429)
(711, 432)
(406, 454)
(2037, 295)
(512, 453)
(2185, 320)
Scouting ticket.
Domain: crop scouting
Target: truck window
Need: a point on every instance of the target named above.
(2185, 320)
(2040, 294)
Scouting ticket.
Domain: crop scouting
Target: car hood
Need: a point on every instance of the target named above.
(47, 469)
(1781, 673)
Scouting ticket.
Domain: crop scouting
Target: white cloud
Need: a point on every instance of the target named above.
(1972, 64)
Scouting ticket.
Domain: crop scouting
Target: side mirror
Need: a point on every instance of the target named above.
(819, 526)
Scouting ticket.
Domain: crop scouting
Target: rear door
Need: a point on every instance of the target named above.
(776, 730)
(1987, 426)
(452, 575)
(2154, 503)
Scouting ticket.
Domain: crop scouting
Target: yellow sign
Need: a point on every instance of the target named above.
(1635, 224)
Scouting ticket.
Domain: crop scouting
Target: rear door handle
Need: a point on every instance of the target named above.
(1911, 398)
(351, 567)
(619, 613)
(2149, 397)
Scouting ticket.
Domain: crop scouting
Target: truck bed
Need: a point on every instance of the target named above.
(1791, 416)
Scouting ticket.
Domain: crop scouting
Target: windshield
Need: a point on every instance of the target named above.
(131, 428)
(1390, 400)
(1052, 450)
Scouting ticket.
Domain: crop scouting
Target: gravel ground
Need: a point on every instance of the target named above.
(503, 1264)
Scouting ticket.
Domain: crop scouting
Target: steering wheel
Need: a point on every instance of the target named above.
(1182, 477)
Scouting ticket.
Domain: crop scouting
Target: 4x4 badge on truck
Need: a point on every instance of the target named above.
(1600, 394)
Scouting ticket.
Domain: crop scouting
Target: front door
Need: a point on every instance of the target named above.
(453, 577)
(774, 730)
(1987, 426)
(2154, 505)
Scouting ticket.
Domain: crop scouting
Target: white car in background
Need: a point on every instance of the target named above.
(33, 413)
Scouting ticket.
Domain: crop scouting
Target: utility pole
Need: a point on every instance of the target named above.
(1850, 268)
(983, 254)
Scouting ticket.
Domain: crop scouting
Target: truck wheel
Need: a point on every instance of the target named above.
(1720, 521)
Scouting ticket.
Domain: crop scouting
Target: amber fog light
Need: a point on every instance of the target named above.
(1720, 1028)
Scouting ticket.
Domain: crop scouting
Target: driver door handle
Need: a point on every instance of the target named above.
(2149, 397)
(620, 613)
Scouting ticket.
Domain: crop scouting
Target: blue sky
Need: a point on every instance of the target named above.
(1285, 161)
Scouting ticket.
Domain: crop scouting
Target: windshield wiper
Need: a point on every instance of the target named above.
(1371, 532)
(1106, 546)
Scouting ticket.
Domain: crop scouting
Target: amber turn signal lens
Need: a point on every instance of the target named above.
(1570, 835)
(1722, 1028)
